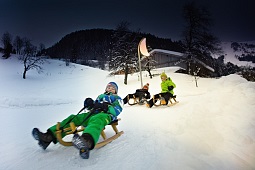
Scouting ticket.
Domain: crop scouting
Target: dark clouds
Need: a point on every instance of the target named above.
(48, 21)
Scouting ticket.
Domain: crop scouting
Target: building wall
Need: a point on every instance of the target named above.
(168, 60)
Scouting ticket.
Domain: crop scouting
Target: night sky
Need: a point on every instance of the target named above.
(49, 20)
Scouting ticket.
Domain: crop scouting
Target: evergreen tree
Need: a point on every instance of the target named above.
(7, 42)
(123, 53)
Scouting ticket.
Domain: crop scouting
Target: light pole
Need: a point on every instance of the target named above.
(143, 50)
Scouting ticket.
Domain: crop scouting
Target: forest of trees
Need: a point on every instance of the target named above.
(96, 44)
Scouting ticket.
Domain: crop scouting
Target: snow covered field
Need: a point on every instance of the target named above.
(212, 128)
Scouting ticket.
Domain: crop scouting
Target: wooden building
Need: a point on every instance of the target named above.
(165, 58)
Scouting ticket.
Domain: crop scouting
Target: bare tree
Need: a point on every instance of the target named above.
(7, 43)
(29, 58)
(198, 41)
(148, 64)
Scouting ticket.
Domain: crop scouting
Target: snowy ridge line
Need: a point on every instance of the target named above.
(192, 95)
(7, 103)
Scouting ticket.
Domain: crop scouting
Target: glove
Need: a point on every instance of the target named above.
(101, 107)
(170, 88)
(88, 103)
(107, 93)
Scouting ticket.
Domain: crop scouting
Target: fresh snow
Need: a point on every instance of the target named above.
(212, 128)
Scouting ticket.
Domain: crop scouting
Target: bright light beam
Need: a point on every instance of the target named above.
(143, 50)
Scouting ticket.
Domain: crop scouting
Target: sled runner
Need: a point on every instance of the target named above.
(73, 129)
(161, 101)
(135, 100)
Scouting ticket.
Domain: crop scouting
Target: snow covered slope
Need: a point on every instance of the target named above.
(213, 126)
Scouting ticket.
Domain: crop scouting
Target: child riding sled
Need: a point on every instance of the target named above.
(102, 111)
(139, 96)
(167, 86)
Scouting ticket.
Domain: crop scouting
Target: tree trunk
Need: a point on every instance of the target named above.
(126, 74)
(196, 81)
(149, 71)
(24, 74)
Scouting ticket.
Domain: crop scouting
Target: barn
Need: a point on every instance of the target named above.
(165, 58)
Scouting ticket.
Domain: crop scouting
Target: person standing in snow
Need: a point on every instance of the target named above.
(167, 86)
(141, 94)
(105, 108)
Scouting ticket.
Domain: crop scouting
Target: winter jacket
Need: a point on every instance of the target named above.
(142, 93)
(166, 84)
(115, 103)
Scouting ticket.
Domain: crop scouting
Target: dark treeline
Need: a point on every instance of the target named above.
(95, 44)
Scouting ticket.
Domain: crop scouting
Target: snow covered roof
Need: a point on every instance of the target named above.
(181, 55)
(167, 52)
(205, 65)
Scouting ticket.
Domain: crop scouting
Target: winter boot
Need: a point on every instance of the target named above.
(149, 103)
(44, 138)
(142, 101)
(162, 100)
(83, 144)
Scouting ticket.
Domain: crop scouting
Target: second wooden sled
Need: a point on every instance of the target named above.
(161, 101)
(70, 130)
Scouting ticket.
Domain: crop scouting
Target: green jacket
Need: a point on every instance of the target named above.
(166, 84)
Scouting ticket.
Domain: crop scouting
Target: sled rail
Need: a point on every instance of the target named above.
(132, 101)
(72, 129)
(161, 101)
(135, 100)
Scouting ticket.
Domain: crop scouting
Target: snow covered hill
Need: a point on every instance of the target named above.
(212, 128)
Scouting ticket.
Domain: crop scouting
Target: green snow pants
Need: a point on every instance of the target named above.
(94, 125)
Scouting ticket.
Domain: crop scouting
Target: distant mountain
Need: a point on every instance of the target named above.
(239, 53)
(94, 44)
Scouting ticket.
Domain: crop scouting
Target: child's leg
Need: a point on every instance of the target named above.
(96, 124)
(153, 100)
(76, 119)
(167, 96)
(156, 96)
(150, 103)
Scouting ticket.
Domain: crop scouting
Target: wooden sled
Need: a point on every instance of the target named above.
(161, 101)
(72, 129)
(132, 101)
(135, 100)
